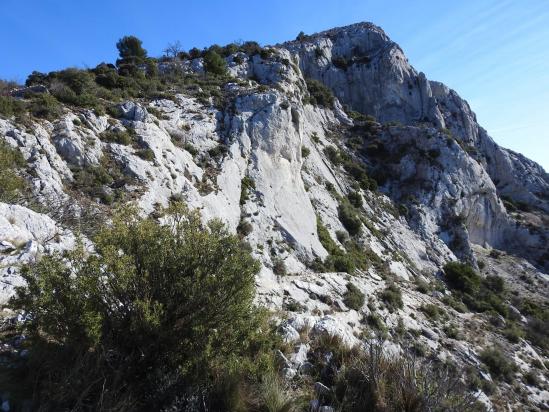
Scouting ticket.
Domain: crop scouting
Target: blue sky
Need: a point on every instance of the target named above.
(495, 53)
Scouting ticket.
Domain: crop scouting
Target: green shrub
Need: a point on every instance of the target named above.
(218, 151)
(340, 62)
(145, 154)
(513, 332)
(305, 151)
(130, 47)
(349, 218)
(354, 256)
(353, 297)
(342, 263)
(325, 238)
(251, 48)
(392, 296)
(355, 199)
(422, 286)
(156, 312)
(11, 184)
(79, 81)
(375, 321)
(132, 54)
(374, 381)
(332, 154)
(45, 106)
(246, 185)
(10, 106)
(433, 312)
(537, 332)
(532, 378)
(452, 332)
(461, 277)
(117, 136)
(214, 63)
(455, 304)
(494, 283)
(499, 365)
(301, 36)
(319, 94)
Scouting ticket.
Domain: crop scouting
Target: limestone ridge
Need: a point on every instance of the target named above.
(296, 176)
(374, 77)
(369, 73)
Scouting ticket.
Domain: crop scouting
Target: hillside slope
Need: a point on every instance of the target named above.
(379, 186)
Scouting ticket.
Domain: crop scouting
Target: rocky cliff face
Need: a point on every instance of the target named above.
(369, 73)
(280, 170)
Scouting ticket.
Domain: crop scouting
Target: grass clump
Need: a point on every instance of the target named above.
(433, 312)
(123, 137)
(353, 297)
(373, 381)
(392, 297)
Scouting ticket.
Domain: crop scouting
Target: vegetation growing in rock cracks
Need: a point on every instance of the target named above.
(352, 256)
(11, 184)
(319, 94)
(353, 297)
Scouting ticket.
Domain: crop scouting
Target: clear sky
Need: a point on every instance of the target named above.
(495, 53)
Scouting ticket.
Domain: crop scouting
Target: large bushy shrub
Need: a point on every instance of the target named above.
(148, 318)
(214, 63)
(461, 277)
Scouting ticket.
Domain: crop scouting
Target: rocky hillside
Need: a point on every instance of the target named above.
(347, 172)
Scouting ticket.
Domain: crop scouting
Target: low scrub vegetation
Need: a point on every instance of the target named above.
(353, 297)
(347, 259)
(499, 364)
(373, 381)
(392, 297)
(319, 94)
(479, 294)
(11, 183)
(349, 218)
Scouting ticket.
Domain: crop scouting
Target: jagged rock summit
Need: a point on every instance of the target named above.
(378, 186)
